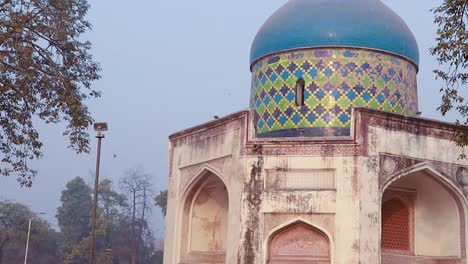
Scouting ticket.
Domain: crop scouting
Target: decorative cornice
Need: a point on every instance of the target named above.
(356, 144)
(392, 166)
(206, 127)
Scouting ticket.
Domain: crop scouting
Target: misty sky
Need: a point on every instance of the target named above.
(169, 65)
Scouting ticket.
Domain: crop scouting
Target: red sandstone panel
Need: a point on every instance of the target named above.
(397, 259)
(438, 261)
(395, 226)
(299, 244)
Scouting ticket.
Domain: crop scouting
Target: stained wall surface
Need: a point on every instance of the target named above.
(206, 174)
(333, 187)
(209, 217)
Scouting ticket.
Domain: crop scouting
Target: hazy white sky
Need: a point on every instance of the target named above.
(164, 63)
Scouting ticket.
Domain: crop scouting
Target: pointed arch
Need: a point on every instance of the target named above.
(428, 168)
(298, 241)
(198, 176)
(204, 223)
(438, 212)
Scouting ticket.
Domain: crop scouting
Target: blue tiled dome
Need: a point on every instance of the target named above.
(342, 23)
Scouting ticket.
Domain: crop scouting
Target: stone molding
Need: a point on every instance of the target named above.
(392, 166)
(355, 145)
(216, 166)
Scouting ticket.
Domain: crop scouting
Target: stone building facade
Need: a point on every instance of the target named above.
(330, 163)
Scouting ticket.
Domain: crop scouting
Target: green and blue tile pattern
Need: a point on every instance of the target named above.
(336, 80)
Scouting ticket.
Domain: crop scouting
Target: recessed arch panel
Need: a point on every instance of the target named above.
(299, 243)
(433, 221)
(209, 217)
(205, 220)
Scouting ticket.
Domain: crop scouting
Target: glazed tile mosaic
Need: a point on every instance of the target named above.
(335, 81)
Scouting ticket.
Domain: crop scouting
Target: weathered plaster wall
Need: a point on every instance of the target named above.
(341, 197)
(251, 200)
(209, 217)
(402, 144)
(369, 208)
(216, 150)
(335, 210)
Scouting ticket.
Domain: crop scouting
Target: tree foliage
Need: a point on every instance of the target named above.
(114, 223)
(44, 241)
(74, 214)
(13, 225)
(46, 72)
(451, 51)
(160, 200)
(122, 243)
(122, 225)
(111, 207)
(111, 201)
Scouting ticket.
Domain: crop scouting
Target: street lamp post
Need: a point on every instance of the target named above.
(31, 216)
(108, 255)
(98, 127)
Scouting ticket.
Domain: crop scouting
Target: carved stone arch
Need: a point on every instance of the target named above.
(196, 177)
(298, 241)
(427, 167)
(204, 218)
(426, 172)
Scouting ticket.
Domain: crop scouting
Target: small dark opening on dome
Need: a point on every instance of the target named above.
(300, 84)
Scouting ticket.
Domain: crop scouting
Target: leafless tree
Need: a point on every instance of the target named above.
(138, 187)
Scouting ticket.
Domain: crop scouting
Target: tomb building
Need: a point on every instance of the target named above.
(331, 162)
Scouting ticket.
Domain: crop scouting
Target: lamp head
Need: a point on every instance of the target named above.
(100, 127)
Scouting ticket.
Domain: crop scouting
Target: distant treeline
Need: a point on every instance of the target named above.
(122, 235)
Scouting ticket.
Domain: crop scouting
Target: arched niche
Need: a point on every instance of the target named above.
(430, 214)
(205, 221)
(299, 243)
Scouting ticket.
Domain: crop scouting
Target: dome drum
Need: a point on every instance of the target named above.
(335, 81)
